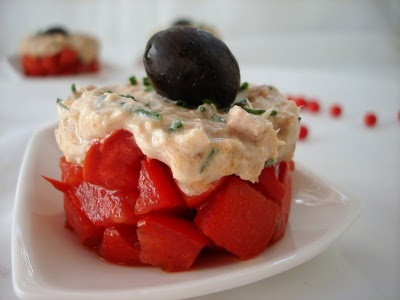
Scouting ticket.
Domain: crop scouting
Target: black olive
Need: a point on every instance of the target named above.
(56, 30)
(190, 65)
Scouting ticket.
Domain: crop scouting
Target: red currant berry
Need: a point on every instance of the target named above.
(335, 111)
(370, 119)
(303, 132)
(300, 102)
(313, 106)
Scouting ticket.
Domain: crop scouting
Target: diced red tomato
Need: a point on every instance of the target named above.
(89, 234)
(68, 57)
(115, 163)
(284, 205)
(196, 200)
(269, 185)
(59, 185)
(106, 207)
(169, 242)
(158, 191)
(239, 219)
(120, 245)
(70, 173)
(275, 184)
(32, 66)
(291, 165)
(50, 64)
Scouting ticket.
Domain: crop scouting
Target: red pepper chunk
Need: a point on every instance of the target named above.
(120, 245)
(275, 184)
(239, 219)
(89, 234)
(106, 207)
(115, 163)
(196, 200)
(158, 191)
(70, 173)
(169, 242)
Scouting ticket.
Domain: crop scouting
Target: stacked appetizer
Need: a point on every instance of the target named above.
(158, 169)
(59, 52)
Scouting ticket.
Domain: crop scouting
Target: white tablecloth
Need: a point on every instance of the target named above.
(362, 162)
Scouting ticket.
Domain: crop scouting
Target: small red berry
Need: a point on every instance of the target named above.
(300, 102)
(335, 110)
(313, 106)
(370, 119)
(303, 132)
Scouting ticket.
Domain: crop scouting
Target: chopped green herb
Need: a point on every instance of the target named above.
(133, 80)
(242, 103)
(208, 101)
(148, 113)
(149, 89)
(100, 101)
(175, 125)
(269, 162)
(73, 88)
(128, 96)
(254, 111)
(59, 102)
(217, 118)
(299, 118)
(208, 159)
(244, 86)
(270, 87)
(146, 81)
(202, 108)
(273, 113)
(182, 104)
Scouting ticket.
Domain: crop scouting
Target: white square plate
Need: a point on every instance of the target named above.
(49, 263)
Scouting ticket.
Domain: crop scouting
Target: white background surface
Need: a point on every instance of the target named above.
(338, 51)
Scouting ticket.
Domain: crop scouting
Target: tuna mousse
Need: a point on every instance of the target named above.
(159, 169)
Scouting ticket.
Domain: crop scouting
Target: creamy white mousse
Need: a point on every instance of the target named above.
(42, 45)
(199, 145)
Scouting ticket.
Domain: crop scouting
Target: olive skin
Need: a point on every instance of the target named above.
(55, 30)
(187, 64)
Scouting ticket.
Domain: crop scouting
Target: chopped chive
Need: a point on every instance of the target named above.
(270, 87)
(244, 86)
(254, 111)
(128, 96)
(182, 104)
(299, 118)
(269, 162)
(148, 113)
(133, 80)
(210, 156)
(175, 125)
(273, 113)
(208, 101)
(242, 103)
(59, 102)
(149, 89)
(73, 88)
(146, 81)
(217, 118)
(100, 101)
